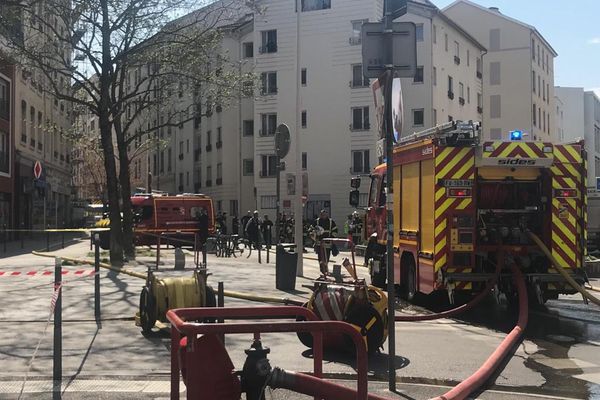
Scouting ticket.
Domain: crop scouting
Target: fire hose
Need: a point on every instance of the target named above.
(312, 386)
(226, 293)
(561, 270)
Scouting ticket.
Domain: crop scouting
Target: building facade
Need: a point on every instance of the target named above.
(6, 144)
(581, 111)
(518, 70)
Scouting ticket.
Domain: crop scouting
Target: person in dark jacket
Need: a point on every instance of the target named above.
(267, 230)
(202, 218)
(253, 230)
(324, 227)
(235, 225)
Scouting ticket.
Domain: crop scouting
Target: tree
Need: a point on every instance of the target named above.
(128, 57)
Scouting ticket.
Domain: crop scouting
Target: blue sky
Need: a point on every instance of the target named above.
(571, 27)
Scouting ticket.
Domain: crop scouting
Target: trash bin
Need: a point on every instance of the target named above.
(285, 268)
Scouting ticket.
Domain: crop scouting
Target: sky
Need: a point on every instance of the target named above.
(571, 27)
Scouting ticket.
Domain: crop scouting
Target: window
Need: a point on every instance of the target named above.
(478, 69)
(538, 55)
(495, 106)
(360, 162)
(434, 76)
(248, 127)
(268, 124)
(468, 58)
(544, 90)
(533, 79)
(219, 135)
(456, 53)
(187, 178)
(468, 95)
(419, 32)
(32, 126)
(187, 145)
(534, 113)
(169, 158)
(539, 85)
(312, 5)
(268, 41)
(450, 87)
(446, 41)
(434, 34)
(479, 103)
(209, 176)
(181, 147)
(4, 153)
(418, 75)
(248, 167)
(268, 166)
(533, 49)
(233, 207)
(303, 76)
(543, 59)
(418, 117)
(268, 202)
(23, 121)
(548, 93)
(494, 73)
(162, 161)
(219, 174)
(360, 118)
(208, 138)
(358, 79)
(494, 39)
(248, 49)
(268, 82)
(303, 119)
(356, 31)
(434, 117)
(304, 161)
(544, 121)
(4, 99)
(461, 93)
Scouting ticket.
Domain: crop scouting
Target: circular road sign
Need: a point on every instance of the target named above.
(282, 140)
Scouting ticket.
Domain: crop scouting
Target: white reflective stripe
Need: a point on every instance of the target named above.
(333, 300)
(321, 307)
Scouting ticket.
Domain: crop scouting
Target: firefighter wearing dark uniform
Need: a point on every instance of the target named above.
(325, 228)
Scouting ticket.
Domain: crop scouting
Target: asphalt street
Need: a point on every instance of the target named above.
(559, 357)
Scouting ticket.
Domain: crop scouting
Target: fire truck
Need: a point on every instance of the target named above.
(165, 215)
(463, 207)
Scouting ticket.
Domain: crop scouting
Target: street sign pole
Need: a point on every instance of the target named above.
(278, 190)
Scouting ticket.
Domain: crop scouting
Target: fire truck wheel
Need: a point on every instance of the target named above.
(147, 310)
(305, 337)
(408, 286)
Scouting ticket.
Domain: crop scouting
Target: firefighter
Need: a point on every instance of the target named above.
(244, 222)
(325, 227)
(355, 228)
(253, 230)
(266, 228)
(202, 218)
(235, 225)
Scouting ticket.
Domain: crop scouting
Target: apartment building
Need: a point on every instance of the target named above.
(334, 114)
(518, 70)
(581, 120)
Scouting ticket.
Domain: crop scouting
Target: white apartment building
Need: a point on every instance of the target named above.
(335, 114)
(581, 111)
(518, 70)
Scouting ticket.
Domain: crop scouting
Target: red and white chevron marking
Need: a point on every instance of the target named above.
(31, 274)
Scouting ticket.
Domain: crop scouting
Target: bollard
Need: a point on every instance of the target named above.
(204, 255)
(259, 248)
(57, 349)
(97, 315)
(221, 303)
(47, 238)
(268, 252)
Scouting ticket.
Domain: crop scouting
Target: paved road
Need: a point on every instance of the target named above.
(560, 356)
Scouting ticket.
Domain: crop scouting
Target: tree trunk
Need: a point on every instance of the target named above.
(124, 178)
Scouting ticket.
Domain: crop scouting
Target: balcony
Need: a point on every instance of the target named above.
(456, 60)
(208, 183)
(461, 101)
(480, 110)
(354, 41)
(219, 181)
(181, 157)
(479, 74)
(269, 47)
(208, 147)
(219, 144)
(450, 95)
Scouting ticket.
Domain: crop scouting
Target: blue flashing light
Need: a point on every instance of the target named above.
(516, 135)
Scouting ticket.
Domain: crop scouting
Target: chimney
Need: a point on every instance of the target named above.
(495, 9)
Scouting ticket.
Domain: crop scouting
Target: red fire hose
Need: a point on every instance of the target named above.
(472, 383)
(455, 311)
(327, 390)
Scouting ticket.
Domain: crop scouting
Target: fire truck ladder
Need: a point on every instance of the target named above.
(453, 133)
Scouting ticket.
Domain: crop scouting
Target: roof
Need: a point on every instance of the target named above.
(499, 14)
(448, 20)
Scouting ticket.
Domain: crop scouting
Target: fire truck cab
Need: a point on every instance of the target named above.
(461, 208)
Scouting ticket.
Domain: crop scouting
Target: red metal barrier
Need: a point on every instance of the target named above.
(179, 328)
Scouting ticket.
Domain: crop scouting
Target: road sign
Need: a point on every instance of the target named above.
(397, 108)
(404, 43)
(282, 140)
(37, 170)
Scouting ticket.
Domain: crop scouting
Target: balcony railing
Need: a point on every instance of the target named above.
(450, 95)
(219, 144)
(208, 147)
(219, 181)
(461, 101)
(354, 40)
(479, 74)
(269, 47)
(456, 60)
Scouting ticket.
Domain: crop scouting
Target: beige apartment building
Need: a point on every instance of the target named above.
(581, 120)
(518, 70)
